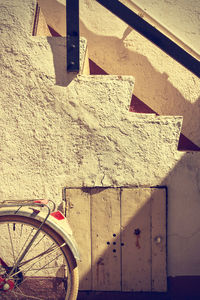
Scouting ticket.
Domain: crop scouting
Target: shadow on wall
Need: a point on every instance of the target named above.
(127, 251)
(183, 181)
(162, 87)
(138, 106)
(183, 203)
(151, 86)
(58, 47)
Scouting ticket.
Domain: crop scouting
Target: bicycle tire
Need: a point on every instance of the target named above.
(33, 287)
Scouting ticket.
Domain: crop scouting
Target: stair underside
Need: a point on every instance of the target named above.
(138, 106)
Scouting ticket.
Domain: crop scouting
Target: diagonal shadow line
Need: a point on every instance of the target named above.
(136, 105)
(150, 84)
(139, 106)
(176, 255)
(152, 34)
(175, 201)
(183, 107)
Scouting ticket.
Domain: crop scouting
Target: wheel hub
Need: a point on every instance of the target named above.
(7, 284)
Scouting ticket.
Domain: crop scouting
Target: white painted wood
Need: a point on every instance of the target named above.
(158, 208)
(78, 208)
(106, 267)
(139, 265)
(136, 252)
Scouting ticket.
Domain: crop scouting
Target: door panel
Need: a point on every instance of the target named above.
(121, 234)
(106, 269)
(158, 213)
(136, 252)
(78, 207)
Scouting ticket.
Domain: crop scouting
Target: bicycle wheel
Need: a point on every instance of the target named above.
(48, 270)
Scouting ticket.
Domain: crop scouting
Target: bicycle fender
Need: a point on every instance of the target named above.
(56, 220)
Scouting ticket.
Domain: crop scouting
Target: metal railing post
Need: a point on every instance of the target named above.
(72, 31)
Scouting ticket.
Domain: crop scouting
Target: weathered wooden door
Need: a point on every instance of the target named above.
(121, 234)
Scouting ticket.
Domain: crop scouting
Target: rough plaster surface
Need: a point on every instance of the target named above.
(181, 17)
(62, 130)
(160, 82)
(183, 216)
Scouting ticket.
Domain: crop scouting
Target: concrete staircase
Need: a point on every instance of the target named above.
(72, 122)
(167, 95)
(115, 135)
(60, 129)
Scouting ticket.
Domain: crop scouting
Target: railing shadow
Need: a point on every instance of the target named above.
(58, 47)
(152, 87)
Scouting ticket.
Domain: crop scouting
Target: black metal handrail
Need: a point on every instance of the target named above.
(134, 21)
(152, 34)
(72, 24)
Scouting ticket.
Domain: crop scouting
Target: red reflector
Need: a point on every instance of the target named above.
(42, 201)
(57, 215)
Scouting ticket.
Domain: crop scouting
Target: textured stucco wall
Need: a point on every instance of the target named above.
(160, 82)
(182, 17)
(55, 125)
(183, 216)
(62, 130)
(163, 84)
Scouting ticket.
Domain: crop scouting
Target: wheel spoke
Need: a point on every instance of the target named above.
(14, 293)
(11, 243)
(47, 272)
(25, 243)
(43, 255)
(37, 270)
(26, 296)
(34, 245)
